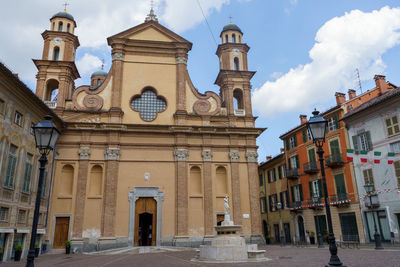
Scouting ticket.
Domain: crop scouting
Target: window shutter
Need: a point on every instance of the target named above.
(290, 164)
(274, 170)
(270, 203)
(355, 144)
(269, 176)
(280, 198)
(368, 135)
(311, 191)
(304, 136)
(260, 177)
(287, 199)
(280, 171)
(295, 140)
(335, 117)
(287, 144)
(301, 192)
(292, 189)
(297, 162)
(320, 187)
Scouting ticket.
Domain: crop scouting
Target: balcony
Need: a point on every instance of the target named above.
(292, 173)
(334, 161)
(295, 206)
(51, 104)
(310, 167)
(375, 202)
(312, 204)
(339, 200)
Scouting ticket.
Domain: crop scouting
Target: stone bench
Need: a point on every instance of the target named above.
(256, 254)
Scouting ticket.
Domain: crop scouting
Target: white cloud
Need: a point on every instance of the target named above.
(355, 40)
(88, 64)
(276, 75)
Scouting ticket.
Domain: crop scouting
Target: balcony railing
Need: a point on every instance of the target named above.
(315, 204)
(292, 173)
(239, 112)
(296, 205)
(374, 199)
(339, 200)
(310, 167)
(334, 160)
(51, 104)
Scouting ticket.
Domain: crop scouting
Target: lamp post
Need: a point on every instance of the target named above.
(319, 234)
(378, 242)
(279, 207)
(317, 126)
(46, 135)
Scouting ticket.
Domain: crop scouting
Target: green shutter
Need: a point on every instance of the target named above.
(292, 190)
(287, 144)
(280, 198)
(340, 186)
(289, 164)
(295, 140)
(335, 150)
(27, 178)
(320, 188)
(311, 155)
(274, 170)
(10, 171)
(287, 198)
(269, 176)
(297, 162)
(368, 134)
(280, 172)
(311, 191)
(260, 177)
(270, 203)
(355, 144)
(304, 136)
(336, 119)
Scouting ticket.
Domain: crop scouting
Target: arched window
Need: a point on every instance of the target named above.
(98, 82)
(96, 181)
(56, 53)
(221, 187)
(68, 26)
(51, 90)
(238, 99)
(66, 180)
(195, 185)
(233, 38)
(60, 26)
(226, 38)
(236, 63)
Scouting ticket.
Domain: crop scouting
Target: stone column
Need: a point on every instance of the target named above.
(84, 155)
(117, 62)
(62, 91)
(181, 61)
(247, 99)
(40, 85)
(181, 157)
(208, 193)
(235, 182)
(252, 168)
(110, 191)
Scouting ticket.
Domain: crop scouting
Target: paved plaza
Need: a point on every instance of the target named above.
(287, 256)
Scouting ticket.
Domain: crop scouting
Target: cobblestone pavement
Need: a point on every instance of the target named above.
(287, 256)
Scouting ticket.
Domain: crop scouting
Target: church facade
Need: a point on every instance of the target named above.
(144, 157)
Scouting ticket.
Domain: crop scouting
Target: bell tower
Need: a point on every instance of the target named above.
(57, 70)
(234, 77)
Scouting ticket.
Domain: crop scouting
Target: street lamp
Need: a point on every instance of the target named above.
(319, 234)
(279, 207)
(46, 135)
(378, 242)
(317, 126)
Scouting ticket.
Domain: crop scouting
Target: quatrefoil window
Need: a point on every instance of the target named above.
(148, 104)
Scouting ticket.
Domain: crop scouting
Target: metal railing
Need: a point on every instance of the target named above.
(315, 204)
(310, 167)
(292, 173)
(51, 104)
(296, 205)
(334, 160)
(341, 199)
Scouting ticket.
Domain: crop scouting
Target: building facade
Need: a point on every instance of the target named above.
(276, 219)
(374, 135)
(20, 109)
(145, 158)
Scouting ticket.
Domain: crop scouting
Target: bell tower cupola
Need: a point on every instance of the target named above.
(57, 70)
(234, 77)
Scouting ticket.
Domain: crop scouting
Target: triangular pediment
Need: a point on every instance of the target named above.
(149, 31)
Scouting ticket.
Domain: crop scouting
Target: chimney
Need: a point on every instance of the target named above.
(269, 158)
(381, 83)
(282, 150)
(340, 98)
(303, 119)
(352, 93)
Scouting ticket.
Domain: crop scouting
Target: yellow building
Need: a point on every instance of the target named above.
(274, 199)
(19, 166)
(145, 158)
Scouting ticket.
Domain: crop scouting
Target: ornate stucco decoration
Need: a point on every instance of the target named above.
(181, 154)
(112, 153)
(207, 154)
(118, 56)
(252, 156)
(234, 155)
(181, 60)
(93, 102)
(84, 152)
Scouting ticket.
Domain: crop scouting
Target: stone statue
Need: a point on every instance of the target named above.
(226, 204)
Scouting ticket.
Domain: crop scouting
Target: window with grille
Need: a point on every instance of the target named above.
(10, 170)
(18, 118)
(362, 141)
(369, 178)
(27, 174)
(331, 124)
(392, 126)
(22, 216)
(395, 147)
(148, 104)
(397, 171)
(3, 214)
(292, 141)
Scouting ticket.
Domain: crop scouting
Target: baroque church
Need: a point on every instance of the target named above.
(145, 158)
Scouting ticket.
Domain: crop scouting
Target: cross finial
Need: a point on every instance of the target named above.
(230, 19)
(151, 16)
(65, 6)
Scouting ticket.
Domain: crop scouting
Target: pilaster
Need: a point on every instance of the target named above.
(252, 170)
(208, 193)
(181, 157)
(234, 156)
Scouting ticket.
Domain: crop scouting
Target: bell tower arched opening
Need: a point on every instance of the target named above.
(51, 90)
(238, 99)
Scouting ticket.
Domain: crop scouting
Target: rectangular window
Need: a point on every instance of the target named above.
(263, 204)
(334, 145)
(10, 171)
(395, 147)
(18, 118)
(298, 193)
(331, 124)
(27, 174)
(292, 142)
(340, 187)
(294, 162)
(362, 141)
(392, 126)
(22, 216)
(273, 175)
(3, 214)
(316, 188)
(309, 134)
(274, 200)
(368, 177)
(397, 172)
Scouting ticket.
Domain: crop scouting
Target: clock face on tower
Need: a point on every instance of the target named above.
(57, 40)
(235, 51)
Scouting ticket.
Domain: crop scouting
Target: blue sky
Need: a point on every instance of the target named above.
(303, 50)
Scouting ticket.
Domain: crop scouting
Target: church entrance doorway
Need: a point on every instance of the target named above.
(145, 222)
